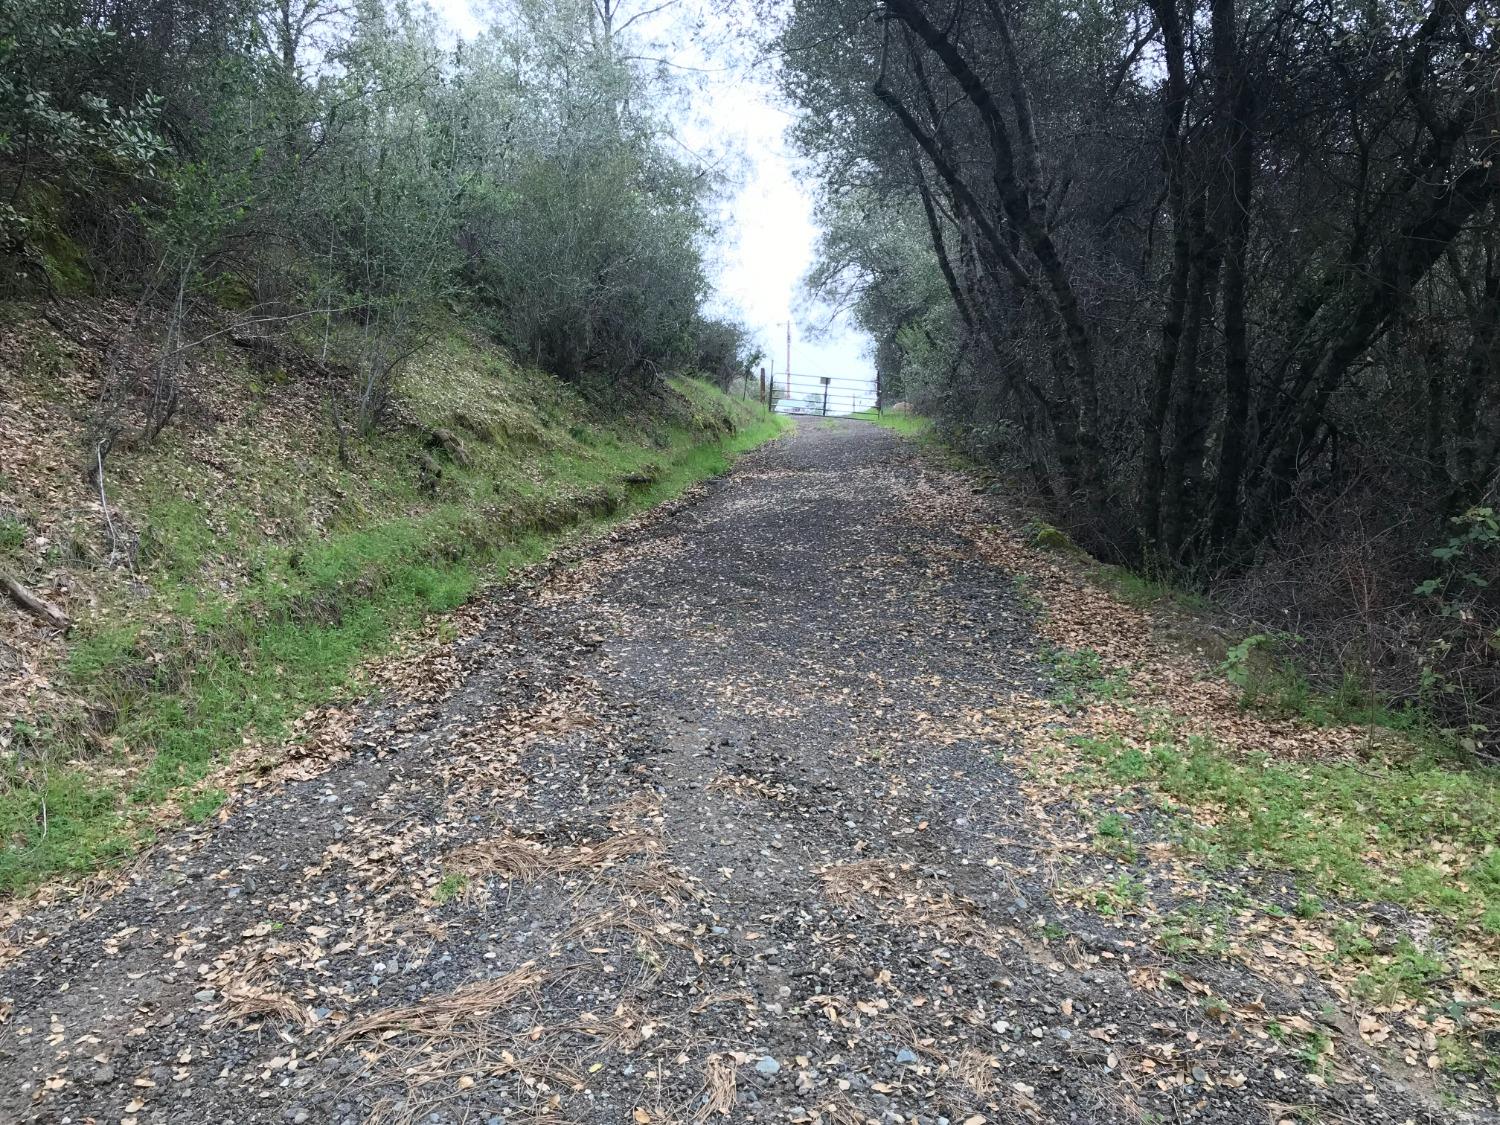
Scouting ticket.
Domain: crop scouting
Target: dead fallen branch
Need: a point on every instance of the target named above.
(34, 605)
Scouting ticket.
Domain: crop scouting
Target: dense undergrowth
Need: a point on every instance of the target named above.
(262, 572)
(1270, 667)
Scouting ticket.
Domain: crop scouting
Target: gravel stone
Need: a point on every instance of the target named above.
(703, 797)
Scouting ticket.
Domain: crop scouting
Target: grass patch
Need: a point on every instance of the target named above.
(1316, 1051)
(1024, 587)
(12, 534)
(1408, 974)
(453, 884)
(1144, 591)
(1112, 836)
(1270, 680)
(905, 423)
(203, 805)
(267, 595)
(1120, 897)
(1079, 675)
(1195, 930)
(1308, 906)
(1412, 832)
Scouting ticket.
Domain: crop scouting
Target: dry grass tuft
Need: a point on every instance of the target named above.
(660, 879)
(743, 784)
(638, 806)
(846, 883)
(739, 996)
(510, 857)
(253, 1000)
(840, 1111)
(520, 859)
(1024, 1105)
(974, 1069)
(719, 1088)
(903, 896)
(433, 1078)
(652, 935)
(438, 1016)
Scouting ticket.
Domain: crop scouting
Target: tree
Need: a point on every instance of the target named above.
(62, 140)
(1306, 195)
(1218, 276)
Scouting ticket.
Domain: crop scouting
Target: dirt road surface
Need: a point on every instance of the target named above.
(686, 830)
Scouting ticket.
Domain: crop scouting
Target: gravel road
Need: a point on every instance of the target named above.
(686, 829)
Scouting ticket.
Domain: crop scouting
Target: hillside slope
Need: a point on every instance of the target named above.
(236, 570)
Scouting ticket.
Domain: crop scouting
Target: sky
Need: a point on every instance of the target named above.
(736, 120)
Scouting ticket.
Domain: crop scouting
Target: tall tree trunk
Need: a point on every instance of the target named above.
(1173, 106)
(1345, 329)
(1225, 519)
(1435, 422)
(1062, 303)
(940, 246)
(1193, 411)
(1481, 382)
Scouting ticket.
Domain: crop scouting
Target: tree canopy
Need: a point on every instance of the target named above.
(348, 164)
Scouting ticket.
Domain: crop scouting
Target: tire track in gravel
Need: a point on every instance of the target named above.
(681, 841)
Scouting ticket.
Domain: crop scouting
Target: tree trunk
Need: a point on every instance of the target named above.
(1081, 374)
(1481, 375)
(1347, 328)
(1225, 519)
(1193, 411)
(1173, 107)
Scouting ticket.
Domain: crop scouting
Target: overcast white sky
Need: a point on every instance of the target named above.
(768, 231)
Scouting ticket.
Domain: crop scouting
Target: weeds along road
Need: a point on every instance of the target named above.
(699, 825)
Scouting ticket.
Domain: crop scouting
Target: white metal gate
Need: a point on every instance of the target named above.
(831, 396)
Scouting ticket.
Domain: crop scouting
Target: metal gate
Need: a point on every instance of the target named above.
(830, 396)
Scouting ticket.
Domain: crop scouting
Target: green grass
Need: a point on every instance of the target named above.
(911, 425)
(1412, 832)
(201, 806)
(12, 534)
(238, 642)
(1145, 591)
(1112, 835)
(1407, 974)
(1120, 897)
(1308, 906)
(1195, 929)
(1272, 681)
(1080, 675)
(453, 884)
(1317, 1047)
